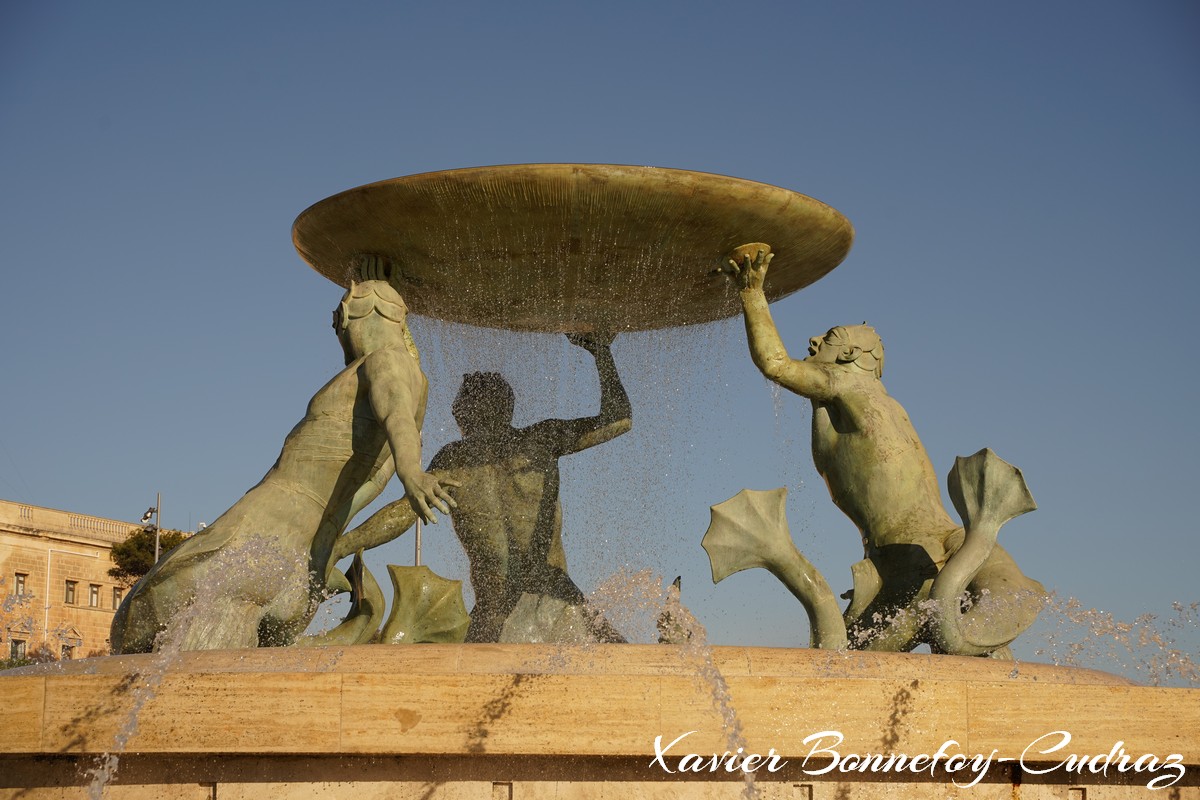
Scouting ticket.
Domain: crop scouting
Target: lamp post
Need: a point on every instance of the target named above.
(153, 511)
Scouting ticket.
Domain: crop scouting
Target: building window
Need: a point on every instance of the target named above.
(19, 583)
(118, 595)
(69, 594)
(68, 652)
(16, 648)
(94, 595)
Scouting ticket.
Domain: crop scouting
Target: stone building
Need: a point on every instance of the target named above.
(55, 592)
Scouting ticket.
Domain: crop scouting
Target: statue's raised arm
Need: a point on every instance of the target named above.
(748, 266)
(616, 413)
(371, 325)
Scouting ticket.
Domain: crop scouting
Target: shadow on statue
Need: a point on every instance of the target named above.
(508, 515)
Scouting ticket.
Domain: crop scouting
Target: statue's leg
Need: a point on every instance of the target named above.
(866, 587)
(134, 627)
(750, 530)
(150, 608)
(541, 578)
(555, 582)
(1006, 601)
(600, 628)
(888, 626)
(982, 600)
(189, 610)
(217, 624)
(893, 619)
(367, 608)
(491, 610)
(899, 632)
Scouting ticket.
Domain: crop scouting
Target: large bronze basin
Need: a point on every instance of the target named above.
(571, 247)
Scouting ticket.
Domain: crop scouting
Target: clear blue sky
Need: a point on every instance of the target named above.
(1022, 177)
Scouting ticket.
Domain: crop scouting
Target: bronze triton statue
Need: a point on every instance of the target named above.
(255, 576)
(924, 578)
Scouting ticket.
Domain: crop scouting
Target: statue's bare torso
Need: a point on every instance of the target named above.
(508, 519)
(508, 515)
(877, 471)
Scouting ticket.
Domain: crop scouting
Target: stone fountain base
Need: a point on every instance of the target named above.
(527, 721)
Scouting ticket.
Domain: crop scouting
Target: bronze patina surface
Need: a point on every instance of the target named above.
(571, 247)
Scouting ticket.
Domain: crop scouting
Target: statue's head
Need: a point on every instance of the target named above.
(856, 345)
(371, 314)
(485, 401)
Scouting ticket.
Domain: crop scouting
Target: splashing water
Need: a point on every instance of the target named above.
(1148, 647)
(637, 601)
(227, 569)
(612, 495)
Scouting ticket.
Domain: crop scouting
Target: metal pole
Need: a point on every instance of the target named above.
(157, 522)
(417, 556)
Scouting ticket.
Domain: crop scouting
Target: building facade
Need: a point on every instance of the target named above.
(56, 596)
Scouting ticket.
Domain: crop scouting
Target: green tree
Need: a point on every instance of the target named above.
(135, 556)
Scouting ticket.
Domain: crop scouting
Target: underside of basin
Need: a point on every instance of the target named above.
(571, 247)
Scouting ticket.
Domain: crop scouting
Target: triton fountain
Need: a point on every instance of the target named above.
(537, 708)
